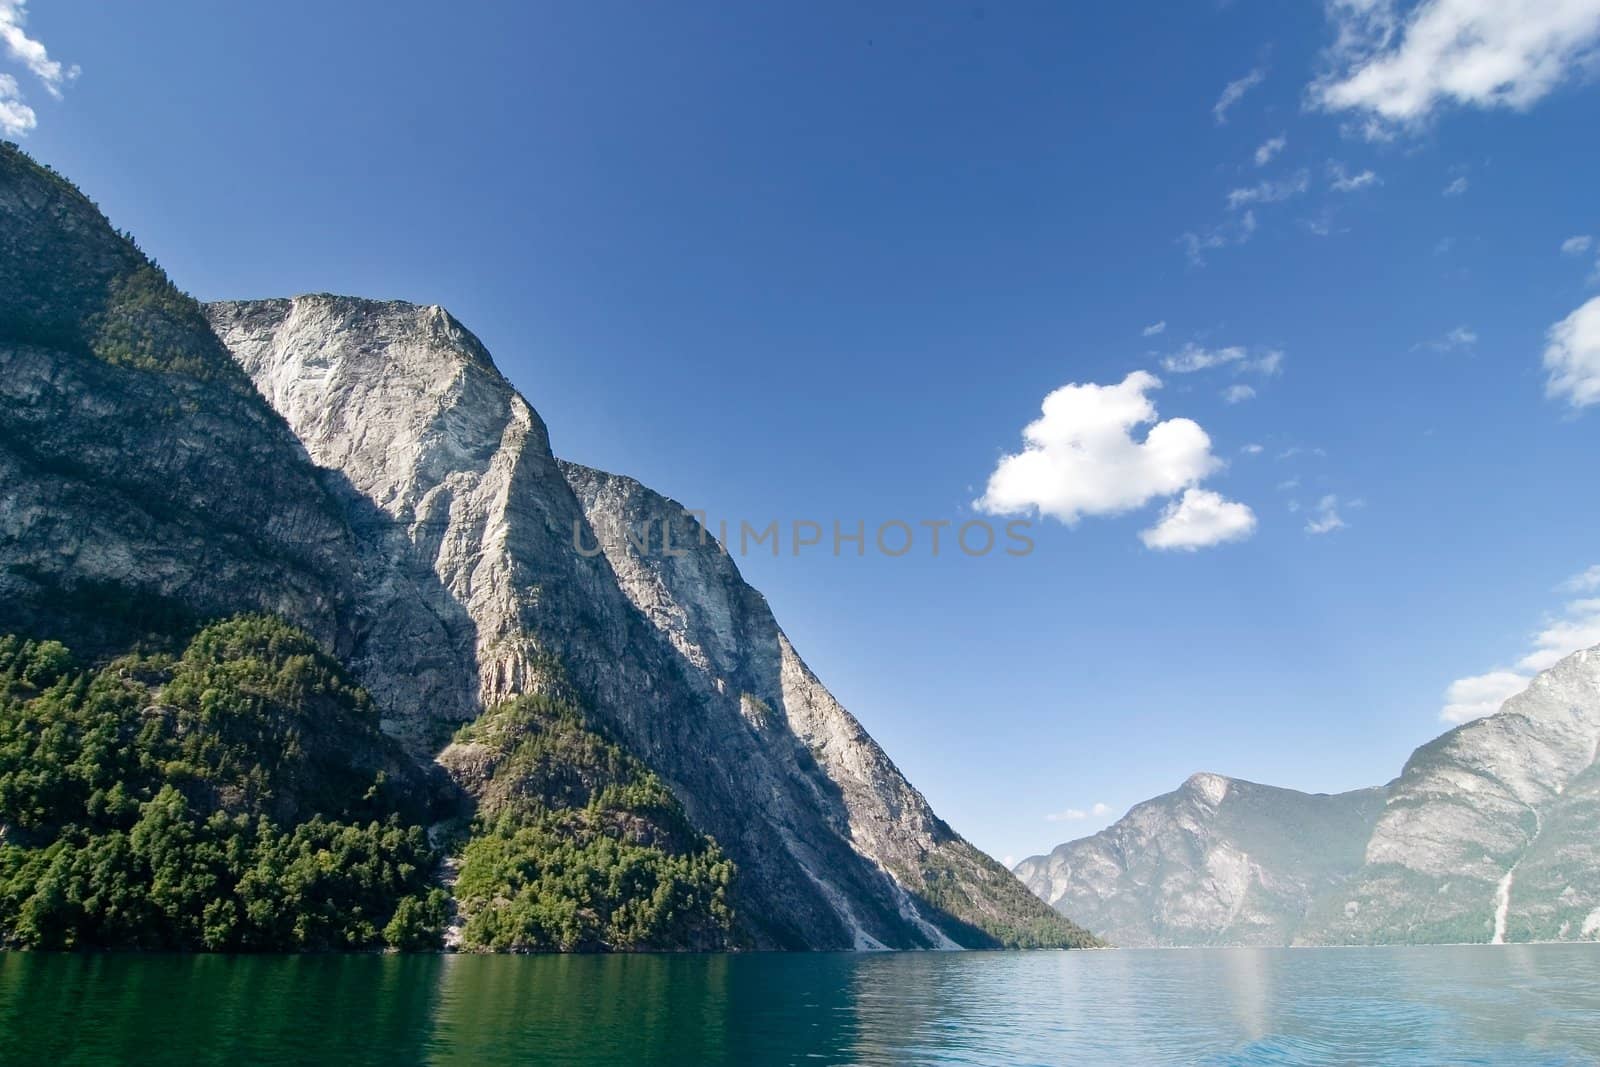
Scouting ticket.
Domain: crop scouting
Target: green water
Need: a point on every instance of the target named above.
(1489, 1005)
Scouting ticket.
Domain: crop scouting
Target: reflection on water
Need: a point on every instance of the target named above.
(1520, 1004)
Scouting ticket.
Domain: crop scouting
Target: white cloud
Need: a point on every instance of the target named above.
(1395, 64)
(1451, 340)
(1341, 181)
(1199, 519)
(1583, 582)
(1573, 357)
(1100, 808)
(1080, 456)
(1232, 232)
(1234, 91)
(1269, 149)
(1457, 187)
(1270, 192)
(1192, 358)
(1252, 450)
(1155, 328)
(16, 117)
(1326, 519)
(1238, 394)
(1577, 627)
(1070, 815)
(1576, 246)
(1480, 695)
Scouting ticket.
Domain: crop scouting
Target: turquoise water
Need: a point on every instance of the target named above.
(1515, 1004)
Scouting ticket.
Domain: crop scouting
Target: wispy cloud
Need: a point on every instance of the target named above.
(1452, 340)
(1270, 192)
(1325, 518)
(1192, 358)
(1577, 245)
(1156, 328)
(1235, 231)
(1342, 181)
(1456, 187)
(1238, 394)
(1234, 91)
(1269, 149)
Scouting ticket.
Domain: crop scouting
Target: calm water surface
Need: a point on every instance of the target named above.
(1486, 1005)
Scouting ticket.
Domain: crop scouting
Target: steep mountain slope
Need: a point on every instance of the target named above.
(455, 480)
(1490, 832)
(143, 475)
(681, 579)
(1218, 861)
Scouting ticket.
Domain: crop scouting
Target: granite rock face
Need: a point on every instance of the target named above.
(1218, 861)
(465, 520)
(1490, 834)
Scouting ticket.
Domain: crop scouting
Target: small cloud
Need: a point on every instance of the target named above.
(1070, 815)
(1270, 192)
(1200, 519)
(1444, 245)
(1234, 91)
(1156, 328)
(1269, 149)
(1100, 808)
(1081, 456)
(1453, 340)
(1576, 246)
(1238, 394)
(1326, 518)
(1456, 188)
(1572, 356)
(1341, 181)
(1252, 450)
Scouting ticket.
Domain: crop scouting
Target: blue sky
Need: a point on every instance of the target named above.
(826, 262)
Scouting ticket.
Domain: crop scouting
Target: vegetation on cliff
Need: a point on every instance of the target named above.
(577, 846)
(237, 797)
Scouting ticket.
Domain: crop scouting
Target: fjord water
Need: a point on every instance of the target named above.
(1533, 1004)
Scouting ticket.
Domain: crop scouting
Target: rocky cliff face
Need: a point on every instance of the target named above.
(458, 504)
(1491, 833)
(1218, 861)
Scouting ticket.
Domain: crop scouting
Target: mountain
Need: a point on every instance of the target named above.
(1218, 861)
(1490, 833)
(361, 470)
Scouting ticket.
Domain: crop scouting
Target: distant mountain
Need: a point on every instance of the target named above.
(1218, 861)
(1491, 833)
